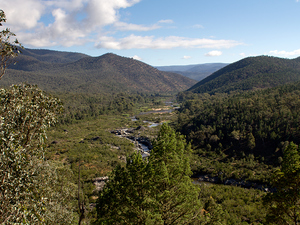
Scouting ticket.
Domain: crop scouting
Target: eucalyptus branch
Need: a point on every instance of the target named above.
(8, 49)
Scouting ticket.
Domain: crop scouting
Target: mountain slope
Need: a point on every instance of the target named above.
(41, 59)
(106, 73)
(250, 74)
(196, 72)
(177, 68)
(51, 56)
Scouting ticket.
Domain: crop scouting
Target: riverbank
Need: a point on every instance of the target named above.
(234, 182)
(142, 144)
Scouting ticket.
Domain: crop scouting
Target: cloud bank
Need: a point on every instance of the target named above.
(46, 23)
(73, 21)
(143, 42)
(285, 53)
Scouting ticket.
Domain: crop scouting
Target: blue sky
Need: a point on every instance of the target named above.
(160, 32)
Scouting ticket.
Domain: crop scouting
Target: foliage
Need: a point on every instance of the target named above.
(45, 55)
(55, 191)
(177, 196)
(85, 106)
(154, 191)
(284, 203)
(232, 205)
(126, 197)
(8, 48)
(252, 127)
(27, 191)
(108, 73)
(90, 142)
(252, 73)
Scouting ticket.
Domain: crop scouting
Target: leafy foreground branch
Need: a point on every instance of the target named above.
(157, 190)
(32, 191)
(9, 49)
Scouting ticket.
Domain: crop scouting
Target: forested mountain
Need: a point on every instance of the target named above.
(74, 72)
(51, 56)
(251, 73)
(196, 72)
(239, 126)
(230, 127)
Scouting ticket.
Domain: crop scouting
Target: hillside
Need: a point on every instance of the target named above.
(51, 56)
(250, 74)
(74, 72)
(197, 72)
(241, 135)
(178, 68)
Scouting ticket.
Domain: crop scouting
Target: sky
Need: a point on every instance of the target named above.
(159, 32)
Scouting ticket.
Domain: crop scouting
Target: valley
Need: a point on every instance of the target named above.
(98, 156)
(236, 126)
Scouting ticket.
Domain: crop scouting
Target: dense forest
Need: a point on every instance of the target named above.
(252, 73)
(252, 126)
(109, 73)
(228, 155)
(81, 106)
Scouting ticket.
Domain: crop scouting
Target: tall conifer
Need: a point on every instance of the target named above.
(157, 190)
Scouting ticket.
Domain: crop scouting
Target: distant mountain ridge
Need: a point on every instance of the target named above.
(76, 72)
(196, 71)
(51, 56)
(251, 73)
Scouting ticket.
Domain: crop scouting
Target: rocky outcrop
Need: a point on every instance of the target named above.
(99, 183)
(138, 141)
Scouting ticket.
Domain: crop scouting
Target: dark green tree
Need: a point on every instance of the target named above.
(126, 198)
(284, 203)
(157, 190)
(176, 196)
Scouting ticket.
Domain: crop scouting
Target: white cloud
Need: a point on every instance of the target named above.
(166, 21)
(25, 18)
(76, 22)
(136, 27)
(137, 57)
(22, 14)
(186, 57)
(213, 53)
(285, 53)
(244, 55)
(70, 5)
(143, 42)
(103, 12)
